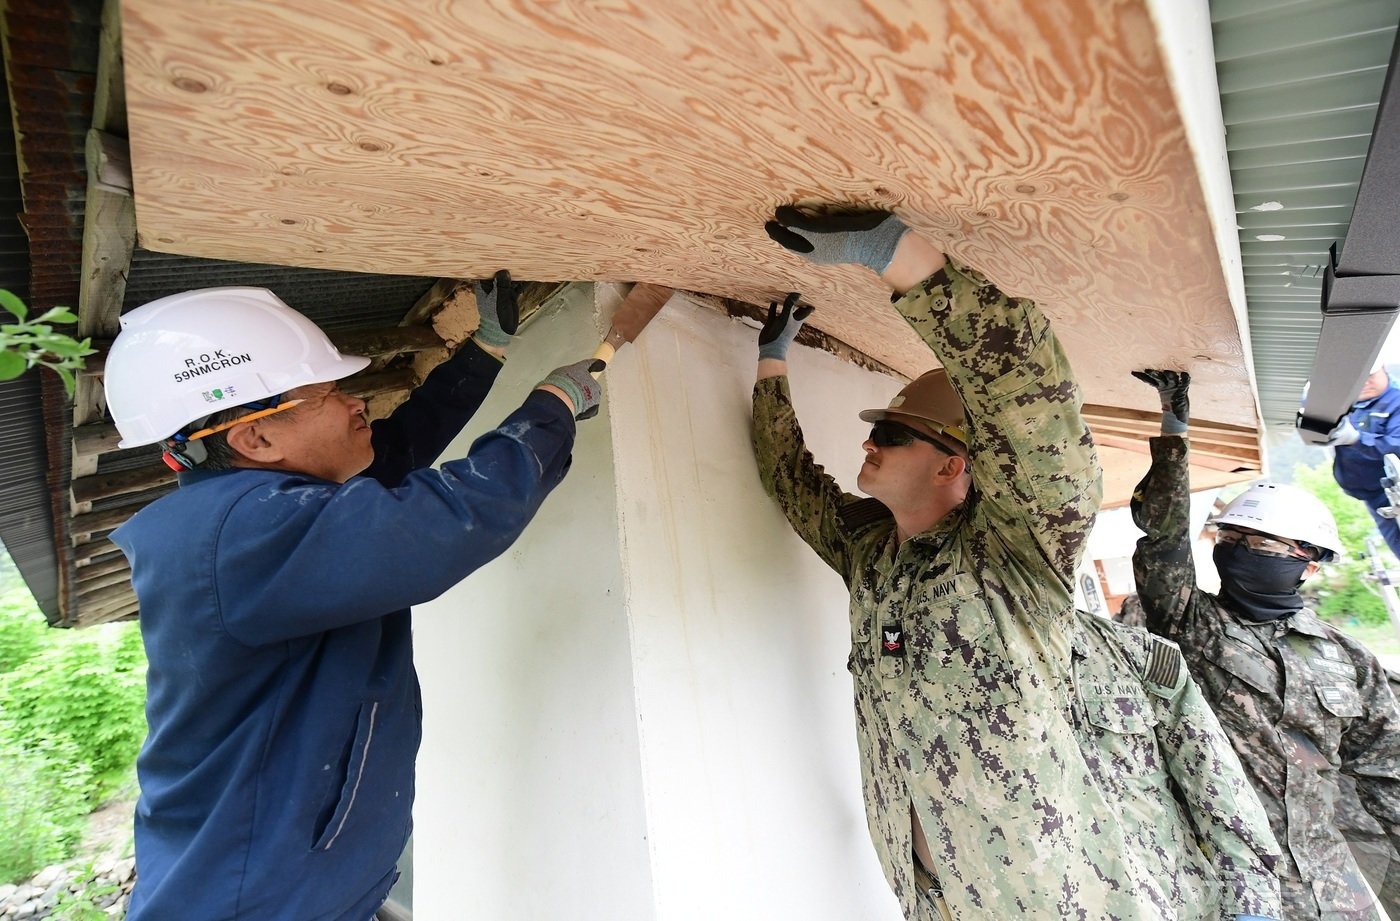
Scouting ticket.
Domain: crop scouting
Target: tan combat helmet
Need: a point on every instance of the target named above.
(930, 399)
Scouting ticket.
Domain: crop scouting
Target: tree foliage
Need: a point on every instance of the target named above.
(71, 722)
(1344, 591)
(28, 343)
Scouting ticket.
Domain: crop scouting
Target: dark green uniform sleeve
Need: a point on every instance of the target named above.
(1035, 472)
(1230, 822)
(1162, 564)
(808, 496)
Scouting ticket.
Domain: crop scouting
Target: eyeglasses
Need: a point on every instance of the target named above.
(1267, 546)
(889, 434)
(261, 408)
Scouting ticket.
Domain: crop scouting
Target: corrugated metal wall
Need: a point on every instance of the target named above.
(1300, 81)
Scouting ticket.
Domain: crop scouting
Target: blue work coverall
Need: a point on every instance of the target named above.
(284, 711)
(1358, 467)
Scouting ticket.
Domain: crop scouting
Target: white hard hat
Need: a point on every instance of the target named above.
(184, 357)
(1283, 511)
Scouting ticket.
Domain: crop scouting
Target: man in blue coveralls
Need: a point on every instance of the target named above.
(277, 777)
(1361, 441)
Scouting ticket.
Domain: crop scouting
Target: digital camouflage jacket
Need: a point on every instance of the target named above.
(972, 726)
(1301, 701)
(1168, 769)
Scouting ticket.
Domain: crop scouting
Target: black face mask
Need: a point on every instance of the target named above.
(1259, 587)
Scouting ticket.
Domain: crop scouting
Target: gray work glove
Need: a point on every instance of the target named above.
(867, 238)
(497, 302)
(577, 380)
(1344, 434)
(781, 327)
(1171, 387)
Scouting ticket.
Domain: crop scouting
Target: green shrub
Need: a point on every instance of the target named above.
(1345, 595)
(87, 689)
(43, 802)
(22, 629)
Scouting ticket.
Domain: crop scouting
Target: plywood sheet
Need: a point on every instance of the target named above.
(1037, 139)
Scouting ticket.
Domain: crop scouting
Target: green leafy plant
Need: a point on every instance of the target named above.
(22, 630)
(1343, 592)
(84, 904)
(30, 343)
(88, 689)
(43, 802)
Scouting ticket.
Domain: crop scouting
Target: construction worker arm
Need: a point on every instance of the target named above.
(355, 552)
(1231, 826)
(809, 498)
(1370, 746)
(422, 427)
(1162, 562)
(1034, 466)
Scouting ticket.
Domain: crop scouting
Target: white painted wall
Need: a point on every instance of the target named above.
(642, 711)
(529, 778)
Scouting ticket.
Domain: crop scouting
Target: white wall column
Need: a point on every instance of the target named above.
(642, 711)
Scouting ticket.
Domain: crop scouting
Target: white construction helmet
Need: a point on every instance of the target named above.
(1283, 511)
(184, 357)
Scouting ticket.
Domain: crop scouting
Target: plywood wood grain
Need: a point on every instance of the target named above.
(1035, 139)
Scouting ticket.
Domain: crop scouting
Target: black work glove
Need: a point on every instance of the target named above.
(1172, 387)
(867, 238)
(781, 327)
(497, 300)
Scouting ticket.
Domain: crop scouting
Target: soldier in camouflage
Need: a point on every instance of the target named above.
(972, 721)
(1302, 701)
(1373, 849)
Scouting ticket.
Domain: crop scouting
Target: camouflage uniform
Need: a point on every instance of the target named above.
(1369, 843)
(1167, 768)
(1300, 700)
(972, 727)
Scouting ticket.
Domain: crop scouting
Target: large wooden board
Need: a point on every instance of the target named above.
(1037, 139)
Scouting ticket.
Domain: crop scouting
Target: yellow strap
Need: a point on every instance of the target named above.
(205, 433)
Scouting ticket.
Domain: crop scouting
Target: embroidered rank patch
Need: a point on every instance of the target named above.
(1163, 663)
(892, 640)
(1332, 695)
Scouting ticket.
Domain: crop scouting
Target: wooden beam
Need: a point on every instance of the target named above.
(115, 610)
(93, 439)
(431, 301)
(365, 386)
(103, 605)
(1199, 458)
(109, 94)
(109, 518)
(109, 222)
(90, 552)
(106, 594)
(105, 485)
(371, 342)
(113, 563)
(112, 162)
(89, 583)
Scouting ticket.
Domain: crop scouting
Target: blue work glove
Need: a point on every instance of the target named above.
(1171, 387)
(497, 300)
(867, 238)
(577, 381)
(1344, 434)
(781, 327)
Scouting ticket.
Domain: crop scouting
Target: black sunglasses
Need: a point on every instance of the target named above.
(888, 434)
